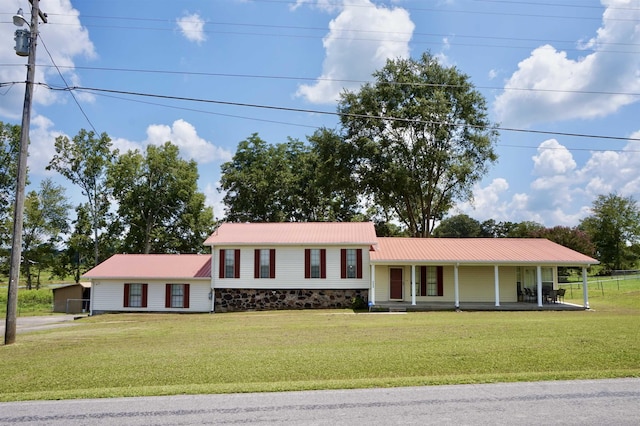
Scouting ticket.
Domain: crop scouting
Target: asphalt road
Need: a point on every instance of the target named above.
(587, 402)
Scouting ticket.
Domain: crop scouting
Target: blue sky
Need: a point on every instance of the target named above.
(569, 68)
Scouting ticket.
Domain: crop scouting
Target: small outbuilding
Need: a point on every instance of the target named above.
(72, 298)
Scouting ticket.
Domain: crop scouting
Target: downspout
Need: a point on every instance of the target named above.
(372, 296)
(92, 298)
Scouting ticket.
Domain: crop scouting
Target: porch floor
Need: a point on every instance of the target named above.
(472, 306)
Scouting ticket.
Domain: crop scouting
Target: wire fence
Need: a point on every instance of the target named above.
(599, 284)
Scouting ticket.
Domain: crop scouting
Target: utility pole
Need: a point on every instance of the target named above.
(18, 212)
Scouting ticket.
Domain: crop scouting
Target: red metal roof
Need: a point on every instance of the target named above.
(476, 250)
(325, 233)
(153, 266)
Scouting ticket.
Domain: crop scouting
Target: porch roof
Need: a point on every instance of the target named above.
(153, 266)
(476, 251)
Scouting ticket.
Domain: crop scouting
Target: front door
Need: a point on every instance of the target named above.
(396, 284)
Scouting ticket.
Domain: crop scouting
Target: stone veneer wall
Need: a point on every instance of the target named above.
(234, 300)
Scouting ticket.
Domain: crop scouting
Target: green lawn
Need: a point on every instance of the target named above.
(149, 354)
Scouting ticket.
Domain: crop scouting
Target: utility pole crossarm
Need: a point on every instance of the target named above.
(41, 14)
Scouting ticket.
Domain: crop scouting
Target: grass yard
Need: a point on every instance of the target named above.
(149, 354)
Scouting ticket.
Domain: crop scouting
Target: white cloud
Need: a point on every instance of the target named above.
(192, 27)
(184, 136)
(214, 198)
(352, 55)
(563, 191)
(65, 41)
(552, 159)
(326, 5)
(556, 78)
(41, 146)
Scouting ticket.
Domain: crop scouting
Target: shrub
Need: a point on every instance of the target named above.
(358, 303)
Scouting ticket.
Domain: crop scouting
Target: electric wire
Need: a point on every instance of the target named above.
(67, 85)
(320, 112)
(336, 80)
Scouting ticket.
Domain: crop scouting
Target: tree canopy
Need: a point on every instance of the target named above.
(83, 160)
(290, 181)
(614, 228)
(420, 137)
(459, 226)
(46, 213)
(158, 201)
(9, 147)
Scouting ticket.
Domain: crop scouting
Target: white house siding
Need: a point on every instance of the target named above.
(108, 296)
(290, 270)
(475, 283)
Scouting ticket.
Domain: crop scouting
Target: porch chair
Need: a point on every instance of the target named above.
(561, 292)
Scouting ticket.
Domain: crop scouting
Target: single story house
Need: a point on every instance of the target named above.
(263, 266)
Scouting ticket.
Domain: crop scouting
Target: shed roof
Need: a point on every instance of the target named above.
(153, 266)
(293, 233)
(477, 250)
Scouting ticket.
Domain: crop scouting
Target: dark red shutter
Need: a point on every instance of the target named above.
(185, 303)
(440, 282)
(423, 280)
(323, 263)
(127, 288)
(167, 296)
(236, 272)
(272, 263)
(144, 295)
(256, 263)
(343, 263)
(221, 272)
(307, 263)
(359, 263)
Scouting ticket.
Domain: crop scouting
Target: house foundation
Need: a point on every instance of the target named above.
(239, 300)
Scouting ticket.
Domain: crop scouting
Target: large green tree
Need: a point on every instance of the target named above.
(290, 181)
(46, 215)
(9, 147)
(160, 208)
(421, 138)
(77, 257)
(459, 226)
(84, 160)
(574, 238)
(614, 227)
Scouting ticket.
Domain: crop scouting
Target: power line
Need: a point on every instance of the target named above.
(310, 111)
(414, 35)
(67, 85)
(313, 79)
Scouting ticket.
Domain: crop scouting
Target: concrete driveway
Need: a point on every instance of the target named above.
(35, 323)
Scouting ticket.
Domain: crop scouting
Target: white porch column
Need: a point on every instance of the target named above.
(539, 281)
(372, 295)
(497, 284)
(456, 292)
(212, 290)
(413, 285)
(585, 289)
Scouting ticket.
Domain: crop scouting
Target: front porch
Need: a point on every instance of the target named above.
(472, 306)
